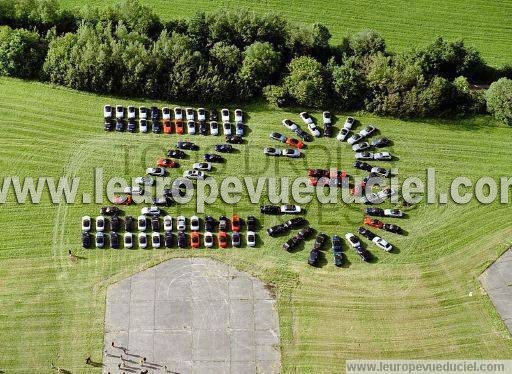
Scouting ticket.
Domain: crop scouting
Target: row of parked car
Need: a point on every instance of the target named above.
(178, 114)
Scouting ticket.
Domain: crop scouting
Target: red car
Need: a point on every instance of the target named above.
(166, 163)
(318, 173)
(294, 143)
(223, 239)
(235, 223)
(122, 199)
(195, 239)
(180, 127)
(167, 126)
(373, 222)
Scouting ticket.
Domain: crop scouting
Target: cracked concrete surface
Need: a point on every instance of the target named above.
(194, 316)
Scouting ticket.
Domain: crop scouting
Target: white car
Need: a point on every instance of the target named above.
(137, 190)
(364, 156)
(306, 118)
(150, 211)
(354, 139)
(86, 223)
(128, 240)
(155, 240)
(387, 192)
(206, 166)
(380, 171)
(294, 153)
(371, 198)
(382, 156)
(349, 123)
(353, 240)
(290, 209)
(224, 115)
(131, 112)
(343, 135)
(326, 117)
(208, 239)
(397, 213)
(191, 127)
(193, 174)
(167, 223)
(239, 117)
(143, 112)
(367, 131)
(178, 113)
(201, 114)
(143, 240)
(189, 114)
(143, 125)
(382, 244)
(158, 172)
(214, 128)
(100, 223)
(181, 223)
(313, 130)
(119, 111)
(226, 126)
(251, 238)
(194, 223)
(166, 113)
(142, 223)
(289, 124)
(270, 151)
(107, 111)
(144, 180)
(361, 147)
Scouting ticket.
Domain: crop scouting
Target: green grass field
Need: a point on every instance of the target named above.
(412, 304)
(483, 24)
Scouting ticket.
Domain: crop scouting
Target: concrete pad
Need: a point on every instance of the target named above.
(193, 315)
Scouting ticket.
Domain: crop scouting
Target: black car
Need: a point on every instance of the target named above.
(378, 212)
(224, 148)
(336, 243)
(319, 241)
(251, 223)
(381, 142)
(296, 222)
(176, 153)
(291, 244)
(187, 145)
(119, 125)
(364, 254)
(131, 125)
(366, 233)
(155, 224)
(182, 239)
(392, 228)
(313, 257)
(155, 114)
(277, 230)
(212, 157)
(213, 115)
(362, 166)
(270, 209)
(155, 124)
(110, 210)
(303, 135)
(234, 139)
(162, 200)
(86, 239)
(128, 223)
(209, 223)
(108, 124)
(305, 233)
(168, 239)
(223, 223)
(338, 258)
(328, 131)
(114, 240)
(203, 128)
(115, 223)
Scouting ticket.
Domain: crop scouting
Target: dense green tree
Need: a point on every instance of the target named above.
(349, 84)
(307, 84)
(499, 100)
(367, 42)
(260, 65)
(22, 53)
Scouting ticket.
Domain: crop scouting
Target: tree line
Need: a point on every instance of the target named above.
(228, 55)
